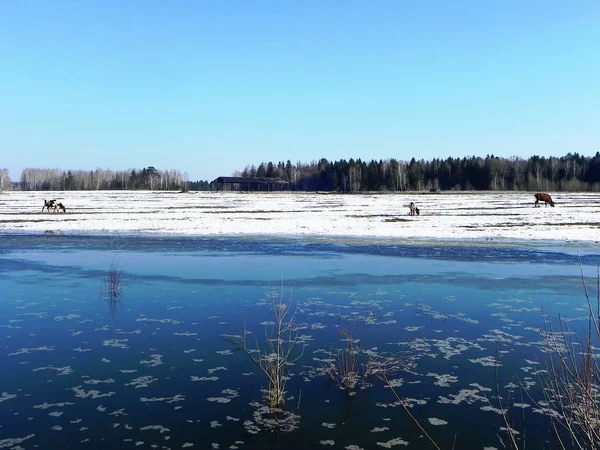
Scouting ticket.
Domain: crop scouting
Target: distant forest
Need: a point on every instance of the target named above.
(101, 179)
(572, 172)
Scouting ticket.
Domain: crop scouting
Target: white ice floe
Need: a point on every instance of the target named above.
(23, 351)
(47, 405)
(158, 428)
(175, 398)
(117, 343)
(107, 381)
(67, 370)
(94, 394)
(393, 442)
(156, 360)
(437, 422)
(447, 215)
(11, 442)
(194, 378)
(142, 382)
(6, 396)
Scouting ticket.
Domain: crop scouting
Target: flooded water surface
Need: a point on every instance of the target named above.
(130, 342)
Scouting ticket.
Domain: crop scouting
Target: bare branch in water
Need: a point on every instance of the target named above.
(112, 289)
(277, 352)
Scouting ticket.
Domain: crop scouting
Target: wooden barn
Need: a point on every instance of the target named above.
(247, 184)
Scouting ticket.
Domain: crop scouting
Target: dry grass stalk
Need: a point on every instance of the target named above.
(572, 387)
(277, 354)
(345, 370)
(511, 432)
(385, 378)
(353, 366)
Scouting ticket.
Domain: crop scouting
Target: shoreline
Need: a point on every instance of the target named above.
(567, 247)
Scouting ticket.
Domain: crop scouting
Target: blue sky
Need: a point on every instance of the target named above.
(210, 87)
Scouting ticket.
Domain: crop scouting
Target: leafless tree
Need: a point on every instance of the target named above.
(5, 182)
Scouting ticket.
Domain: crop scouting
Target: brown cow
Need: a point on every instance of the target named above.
(542, 197)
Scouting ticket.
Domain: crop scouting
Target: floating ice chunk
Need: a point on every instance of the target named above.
(47, 405)
(142, 382)
(175, 398)
(108, 381)
(434, 421)
(219, 399)
(68, 317)
(155, 361)
(67, 370)
(158, 428)
(11, 442)
(117, 343)
(23, 351)
(6, 396)
(393, 442)
(194, 378)
(81, 393)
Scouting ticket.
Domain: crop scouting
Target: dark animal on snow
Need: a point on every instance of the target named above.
(55, 205)
(49, 204)
(413, 209)
(542, 197)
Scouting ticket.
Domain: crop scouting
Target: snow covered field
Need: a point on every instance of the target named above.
(496, 216)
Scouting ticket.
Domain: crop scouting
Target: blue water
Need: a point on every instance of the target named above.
(77, 373)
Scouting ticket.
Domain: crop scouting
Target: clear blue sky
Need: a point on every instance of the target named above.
(208, 87)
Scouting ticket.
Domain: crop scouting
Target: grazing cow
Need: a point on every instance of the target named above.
(60, 207)
(542, 197)
(49, 204)
(413, 209)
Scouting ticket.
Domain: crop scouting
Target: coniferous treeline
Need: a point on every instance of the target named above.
(572, 172)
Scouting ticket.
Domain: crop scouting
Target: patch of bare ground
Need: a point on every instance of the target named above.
(188, 207)
(547, 224)
(479, 208)
(252, 212)
(91, 212)
(18, 221)
(367, 216)
(397, 219)
(485, 215)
